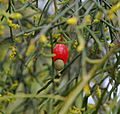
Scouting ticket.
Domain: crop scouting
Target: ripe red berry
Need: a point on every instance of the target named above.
(61, 52)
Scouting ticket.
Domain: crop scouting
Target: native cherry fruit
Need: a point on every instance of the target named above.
(61, 56)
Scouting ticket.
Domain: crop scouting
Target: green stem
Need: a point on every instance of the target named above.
(95, 38)
(11, 31)
(29, 31)
(111, 26)
(55, 6)
(43, 12)
(25, 96)
(93, 61)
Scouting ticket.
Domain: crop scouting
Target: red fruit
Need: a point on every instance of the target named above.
(61, 52)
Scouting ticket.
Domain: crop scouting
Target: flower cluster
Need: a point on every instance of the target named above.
(11, 24)
(75, 110)
(56, 36)
(13, 52)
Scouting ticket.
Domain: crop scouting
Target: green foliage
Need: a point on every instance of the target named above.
(30, 84)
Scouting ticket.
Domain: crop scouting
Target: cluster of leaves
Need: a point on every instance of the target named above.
(30, 84)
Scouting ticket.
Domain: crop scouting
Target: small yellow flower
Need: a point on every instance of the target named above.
(56, 36)
(31, 48)
(35, 18)
(91, 106)
(96, 21)
(15, 26)
(26, 35)
(13, 48)
(75, 110)
(72, 21)
(87, 20)
(75, 44)
(106, 29)
(1, 29)
(16, 16)
(98, 17)
(18, 40)
(111, 45)
(13, 52)
(43, 39)
(86, 89)
(98, 91)
(9, 22)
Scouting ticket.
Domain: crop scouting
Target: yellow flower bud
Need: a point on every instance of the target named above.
(86, 89)
(72, 21)
(13, 52)
(9, 22)
(111, 45)
(16, 16)
(98, 91)
(26, 35)
(1, 29)
(99, 15)
(15, 26)
(106, 29)
(87, 20)
(75, 110)
(56, 36)
(31, 48)
(75, 44)
(43, 39)
(96, 21)
(18, 40)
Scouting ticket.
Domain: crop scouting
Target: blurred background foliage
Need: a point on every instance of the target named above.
(89, 82)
